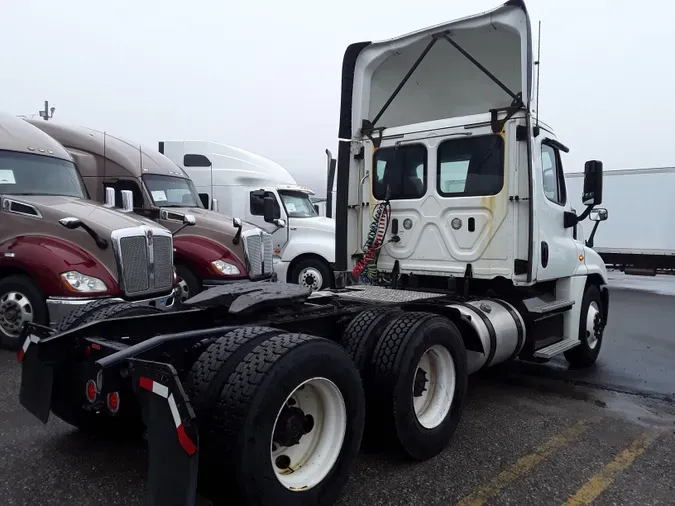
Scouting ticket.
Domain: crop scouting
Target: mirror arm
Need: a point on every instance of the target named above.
(589, 242)
(179, 229)
(586, 212)
(237, 237)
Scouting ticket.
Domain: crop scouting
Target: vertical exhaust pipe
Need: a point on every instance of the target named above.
(109, 197)
(331, 162)
(127, 201)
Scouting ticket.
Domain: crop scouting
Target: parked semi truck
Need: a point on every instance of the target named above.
(454, 253)
(215, 251)
(58, 249)
(649, 248)
(241, 183)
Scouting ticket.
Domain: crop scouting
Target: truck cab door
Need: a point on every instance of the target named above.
(257, 211)
(558, 249)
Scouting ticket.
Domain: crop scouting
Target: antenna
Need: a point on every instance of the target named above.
(538, 64)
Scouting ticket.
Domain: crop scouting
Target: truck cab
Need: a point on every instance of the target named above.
(241, 183)
(214, 251)
(60, 250)
(448, 180)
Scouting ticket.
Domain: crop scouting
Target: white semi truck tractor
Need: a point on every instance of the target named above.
(456, 251)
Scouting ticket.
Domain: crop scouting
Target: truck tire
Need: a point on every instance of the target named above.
(591, 329)
(416, 385)
(211, 370)
(21, 301)
(67, 404)
(193, 284)
(294, 402)
(311, 273)
(363, 332)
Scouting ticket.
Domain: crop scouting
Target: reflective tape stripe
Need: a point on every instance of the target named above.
(163, 391)
(22, 351)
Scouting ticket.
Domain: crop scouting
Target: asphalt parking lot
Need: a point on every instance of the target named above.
(530, 434)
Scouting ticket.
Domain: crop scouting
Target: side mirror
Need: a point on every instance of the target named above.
(598, 214)
(189, 220)
(204, 197)
(70, 222)
(280, 223)
(268, 209)
(127, 201)
(316, 208)
(592, 195)
(236, 222)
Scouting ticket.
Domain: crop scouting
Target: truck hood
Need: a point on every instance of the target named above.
(446, 83)
(318, 224)
(102, 219)
(211, 220)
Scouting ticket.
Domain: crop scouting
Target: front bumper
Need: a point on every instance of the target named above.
(60, 307)
(281, 269)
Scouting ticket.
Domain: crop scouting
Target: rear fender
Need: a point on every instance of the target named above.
(471, 339)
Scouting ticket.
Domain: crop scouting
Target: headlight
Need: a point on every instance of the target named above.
(78, 282)
(225, 268)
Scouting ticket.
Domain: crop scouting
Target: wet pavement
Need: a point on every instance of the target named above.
(530, 435)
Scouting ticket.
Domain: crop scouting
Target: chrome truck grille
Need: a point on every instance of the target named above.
(258, 253)
(144, 258)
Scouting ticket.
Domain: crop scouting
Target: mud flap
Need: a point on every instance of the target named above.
(37, 380)
(173, 454)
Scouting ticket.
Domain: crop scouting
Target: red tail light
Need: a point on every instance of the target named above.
(113, 402)
(91, 391)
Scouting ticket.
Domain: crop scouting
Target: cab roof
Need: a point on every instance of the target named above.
(17, 135)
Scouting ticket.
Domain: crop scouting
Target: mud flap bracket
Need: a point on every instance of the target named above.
(172, 435)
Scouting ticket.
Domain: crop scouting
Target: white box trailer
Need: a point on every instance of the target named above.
(639, 235)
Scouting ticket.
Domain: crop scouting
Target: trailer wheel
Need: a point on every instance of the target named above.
(362, 334)
(21, 301)
(211, 370)
(289, 424)
(591, 329)
(416, 386)
(67, 405)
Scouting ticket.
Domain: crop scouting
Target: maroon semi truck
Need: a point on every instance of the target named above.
(213, 252)
(58, 249)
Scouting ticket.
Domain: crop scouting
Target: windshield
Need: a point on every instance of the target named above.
(29, 174)
(170, 191)
(297, 204)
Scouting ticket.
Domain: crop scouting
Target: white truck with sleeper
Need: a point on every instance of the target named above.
(454, 252)
(233, 180)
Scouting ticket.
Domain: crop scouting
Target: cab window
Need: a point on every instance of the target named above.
(470, 166)
(401, 171)
(553, 177)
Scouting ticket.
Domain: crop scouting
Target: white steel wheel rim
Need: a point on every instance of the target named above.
(312, 458)
(591, 337)
(437, 368)
(311, 278)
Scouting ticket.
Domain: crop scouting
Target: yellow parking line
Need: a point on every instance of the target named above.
(524, 464)
(606, 476)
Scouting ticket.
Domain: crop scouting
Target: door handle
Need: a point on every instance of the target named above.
(294, 228)
(544, 254)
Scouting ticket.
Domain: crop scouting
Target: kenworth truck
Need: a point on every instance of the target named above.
(456, 250)
(213, 251)
(58, 249)
(238, 182)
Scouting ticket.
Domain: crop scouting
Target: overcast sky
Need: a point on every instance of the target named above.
(265, 75)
